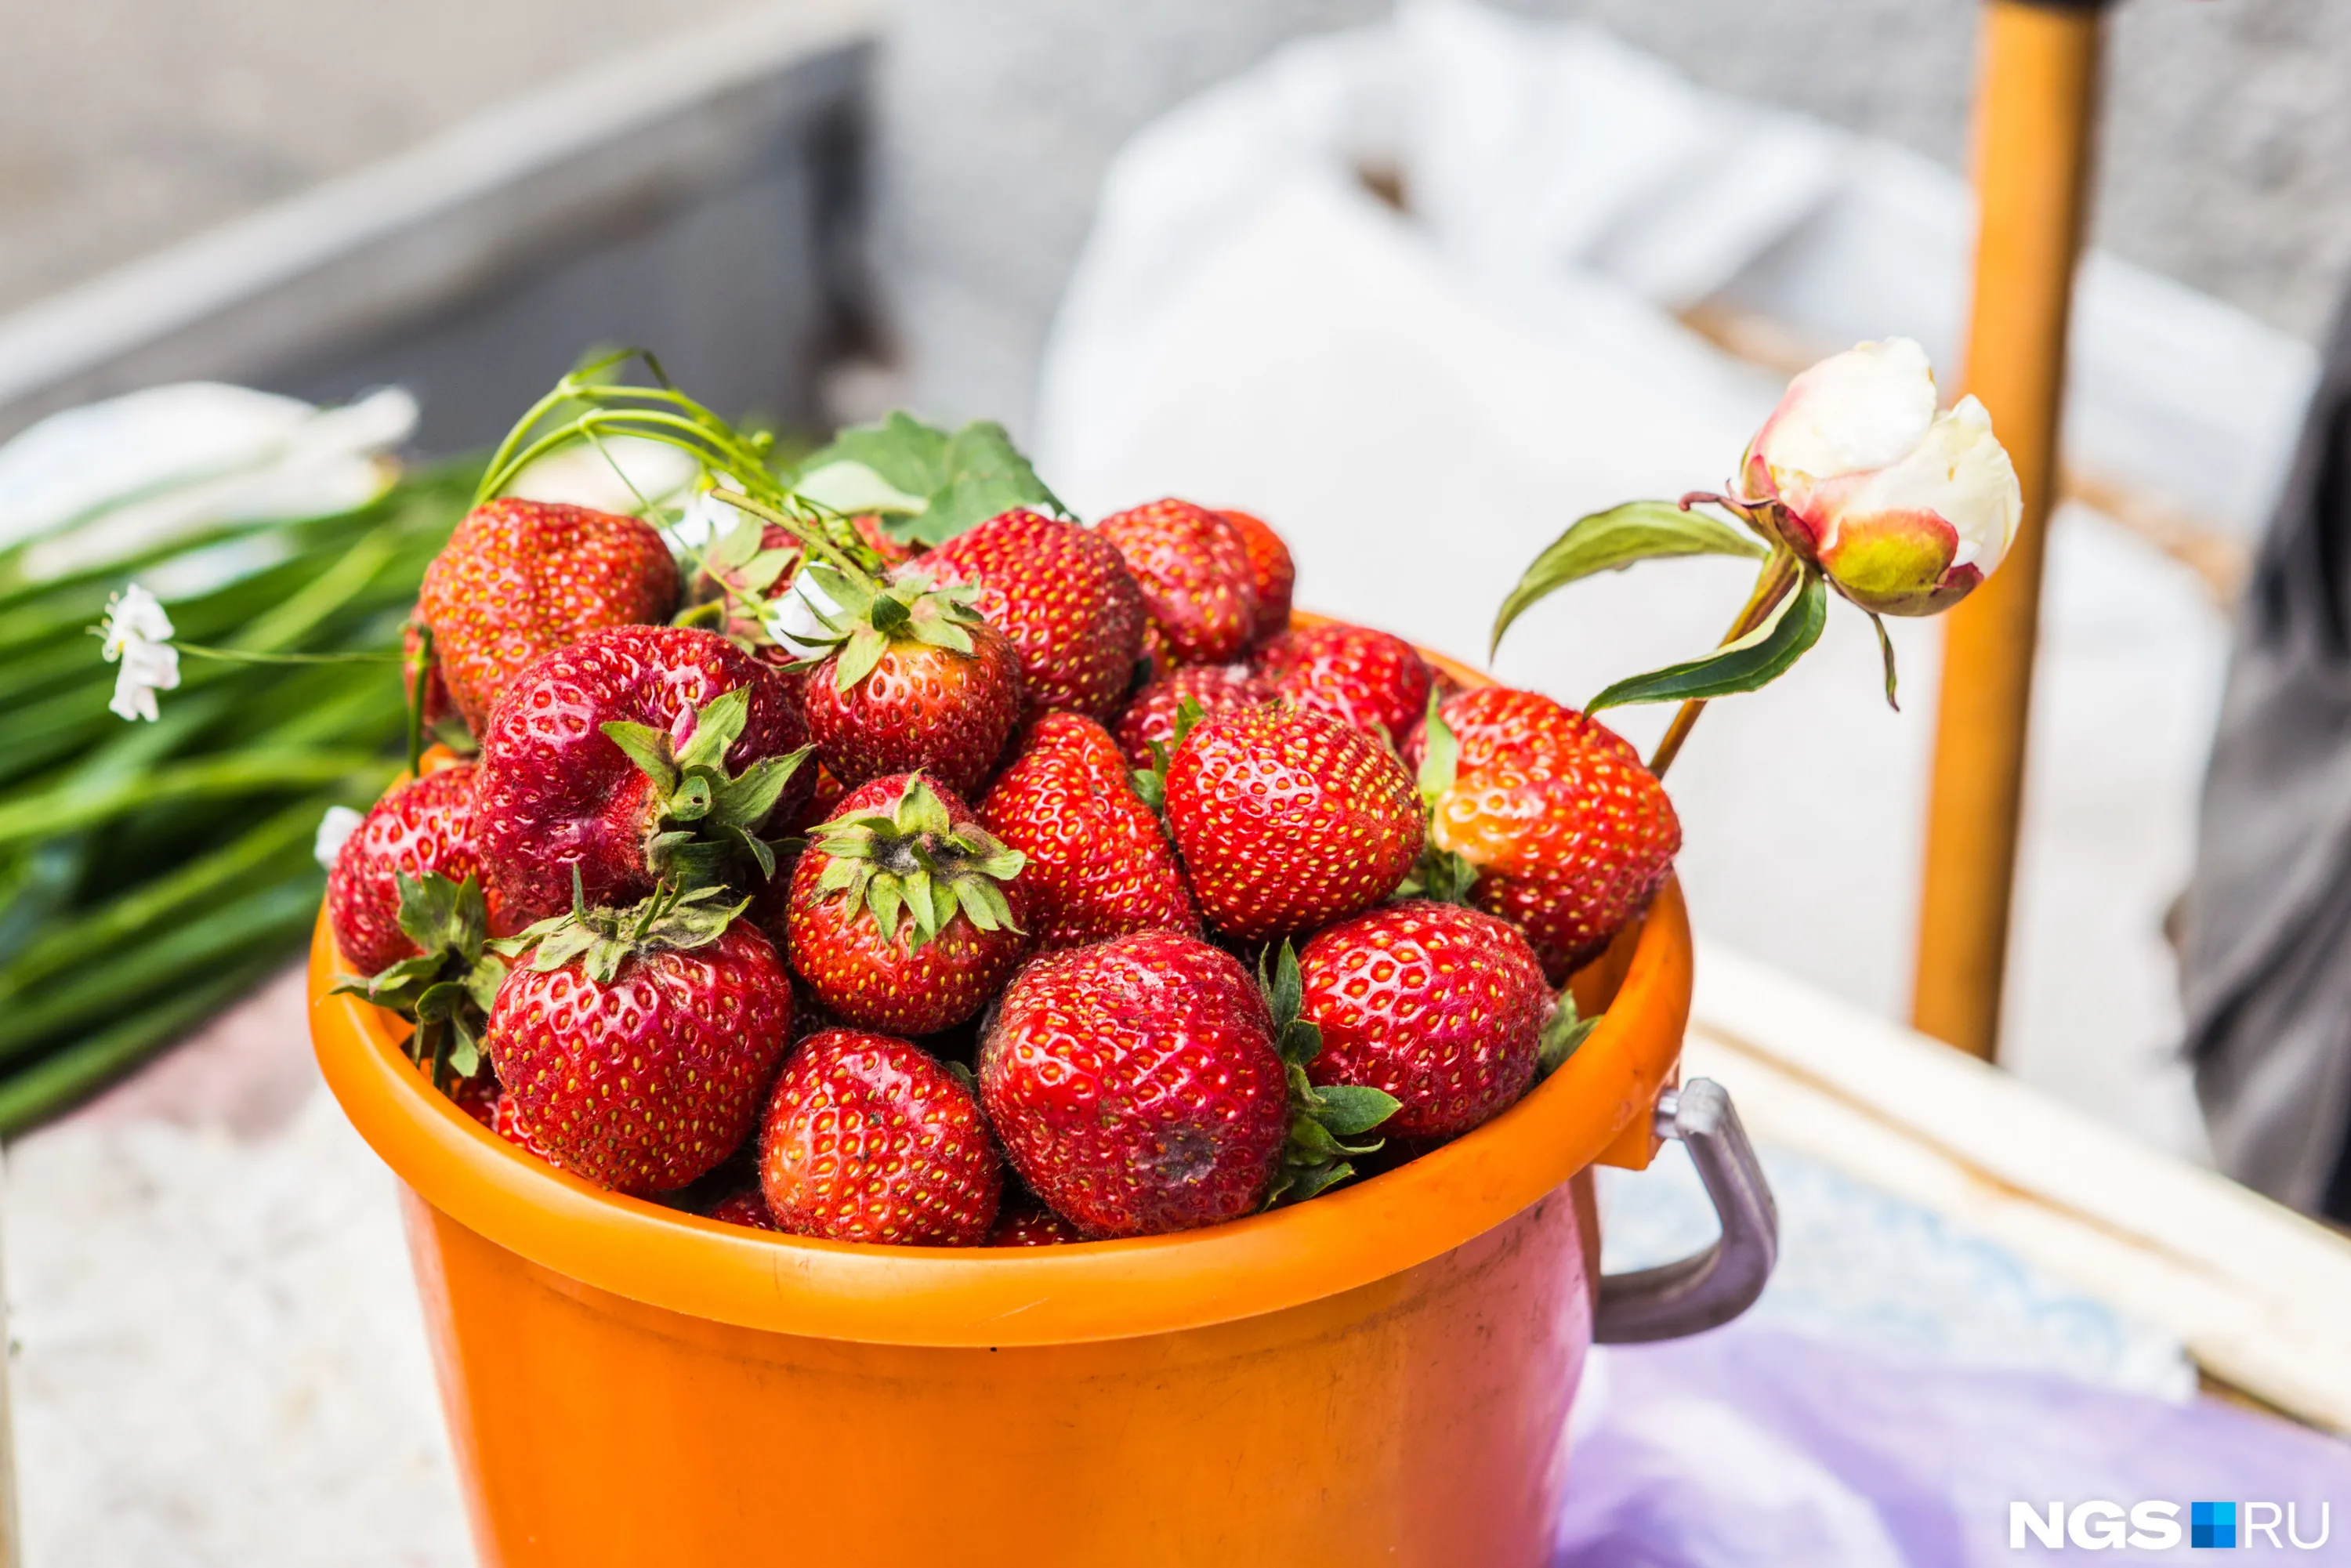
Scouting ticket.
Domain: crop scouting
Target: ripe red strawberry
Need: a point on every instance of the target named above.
(477, 1097)
(1157, 660)
(748, 1207)
(1064, 599)
(904, 914)
(506, 1121)
(1369, 679)
(1213, 688)
(519, 579)
(869, 1138)
(1289, 820)
(633, 1045)
(1099, 862)
(881, 541)
(1570, 835)
(1270, 568)
(1494, 722)
(638, 752)
(1441, 1007)
(895, 701)
(1195, 574)
(1028, 1224)
(423, 825)
(1135, 1085)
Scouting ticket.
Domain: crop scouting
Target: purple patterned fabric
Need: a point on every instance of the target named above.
(1755, 1447)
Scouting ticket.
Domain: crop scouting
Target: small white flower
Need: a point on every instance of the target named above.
(335, 830)
(138, 636)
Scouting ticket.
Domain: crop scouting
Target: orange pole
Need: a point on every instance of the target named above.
(2035, 110)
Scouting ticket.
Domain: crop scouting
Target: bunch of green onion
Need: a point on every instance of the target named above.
(150, 874)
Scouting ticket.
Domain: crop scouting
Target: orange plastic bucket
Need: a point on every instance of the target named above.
(1380, 1375)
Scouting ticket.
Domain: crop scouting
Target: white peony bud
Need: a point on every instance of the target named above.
(1906, 510)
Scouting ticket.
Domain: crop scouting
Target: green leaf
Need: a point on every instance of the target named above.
(1316, 1180)
(738, 546)
(1309, 1141)
(1445, 877)
(648, 748)
(1287, 993)
(1350, 1109)
(1187, 719)
(850, 487)
(975, 907)
(940, 632)
(884, 897)
(717, 724)
(1751, 662)
(1151, 786)
(1440, 754)
(1614, 539)
(857, 657)
(932, 485)
(854, 595)
(746, 801)
(920, 810)
(1564, 1032)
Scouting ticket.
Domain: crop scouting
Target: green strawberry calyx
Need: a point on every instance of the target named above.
(915, 869)
(600, 940)
(737, 589)
(447, 987)
(1323, 1117)
(1441, 874)
(705, 821)
(1565, 1030)
(872, 616)
(1151, 782)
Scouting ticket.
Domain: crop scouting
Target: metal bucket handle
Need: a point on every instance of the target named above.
(1706, 1289)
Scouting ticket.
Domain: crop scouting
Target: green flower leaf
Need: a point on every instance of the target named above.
(1751, 662)
(1885, 654)
(1614, 539)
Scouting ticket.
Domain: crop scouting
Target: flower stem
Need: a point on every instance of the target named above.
(812, 539)
(251, 656)
(1779, 574)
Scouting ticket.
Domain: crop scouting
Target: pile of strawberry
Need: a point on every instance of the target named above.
(1061, 852)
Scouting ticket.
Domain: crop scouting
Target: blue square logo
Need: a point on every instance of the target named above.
(2211, 1525)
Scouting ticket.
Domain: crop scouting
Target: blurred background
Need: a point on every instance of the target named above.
(1420, 284)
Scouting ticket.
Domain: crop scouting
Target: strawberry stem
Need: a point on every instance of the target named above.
(416, 684)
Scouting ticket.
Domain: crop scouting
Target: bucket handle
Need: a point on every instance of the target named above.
(1706, 1289)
